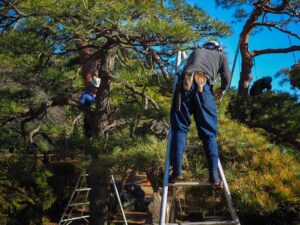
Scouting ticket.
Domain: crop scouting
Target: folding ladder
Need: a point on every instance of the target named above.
(163, 210)
(79, 198)
(69, 215)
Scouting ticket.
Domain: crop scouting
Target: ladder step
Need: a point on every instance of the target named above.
(83, 189)
(80, 203)
(115, 221)
(75, 218)
(224, 222)
(177, 184)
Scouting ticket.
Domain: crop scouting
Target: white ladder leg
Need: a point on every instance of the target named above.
(228, 194)
(119, 200)
(163, 208)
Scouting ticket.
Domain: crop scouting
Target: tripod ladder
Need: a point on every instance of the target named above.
(79, 198)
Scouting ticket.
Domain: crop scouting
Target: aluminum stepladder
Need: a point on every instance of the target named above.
(81, 187)
(79, 198)
(163, 210)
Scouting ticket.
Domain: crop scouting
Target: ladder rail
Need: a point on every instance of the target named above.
(86, 200)
(228, 194)
(163, 208)
(119, 200)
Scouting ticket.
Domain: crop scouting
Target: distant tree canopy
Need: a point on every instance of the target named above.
(282, 16)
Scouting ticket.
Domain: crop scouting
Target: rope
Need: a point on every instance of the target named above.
(290, 42)
(255, 72)
(234, 62)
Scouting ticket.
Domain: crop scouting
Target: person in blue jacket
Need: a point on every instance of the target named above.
(196, 94)
(86, 103)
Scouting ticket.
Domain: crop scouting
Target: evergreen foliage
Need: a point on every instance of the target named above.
(25, 193)
(278, 114)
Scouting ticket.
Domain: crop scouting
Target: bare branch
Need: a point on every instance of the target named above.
(115, 124)
(146, 97)
(267, 8)
(275, 50)
(158, 61)
(33, 132)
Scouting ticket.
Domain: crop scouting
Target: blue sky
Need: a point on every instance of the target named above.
(265, 65)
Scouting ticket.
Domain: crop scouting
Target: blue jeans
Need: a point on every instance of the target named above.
(202, 106)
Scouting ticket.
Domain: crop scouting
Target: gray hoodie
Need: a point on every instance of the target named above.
(211, 63)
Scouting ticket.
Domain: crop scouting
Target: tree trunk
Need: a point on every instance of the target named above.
(99, 181)
(245, 75)
(107, 59)
(100, 172)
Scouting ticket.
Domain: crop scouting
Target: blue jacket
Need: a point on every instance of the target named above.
(86, 100)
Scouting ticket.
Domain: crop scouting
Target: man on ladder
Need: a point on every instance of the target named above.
(194, 96)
